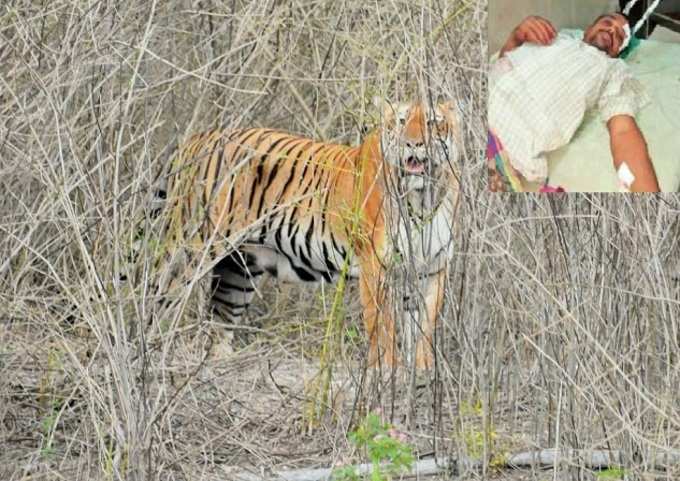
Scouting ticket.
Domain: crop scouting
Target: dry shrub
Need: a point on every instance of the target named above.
(561, 321)
(94, 97)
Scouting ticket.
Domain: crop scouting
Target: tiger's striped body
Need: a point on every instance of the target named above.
(259, 201)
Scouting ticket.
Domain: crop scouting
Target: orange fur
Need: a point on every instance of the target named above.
(275, 186)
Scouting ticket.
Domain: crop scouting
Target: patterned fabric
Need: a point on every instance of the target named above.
(538, 97)
(549, 189)
(502, 177)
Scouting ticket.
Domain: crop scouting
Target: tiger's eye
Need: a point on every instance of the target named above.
(436, 126)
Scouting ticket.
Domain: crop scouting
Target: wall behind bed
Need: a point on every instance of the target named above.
(504, 15)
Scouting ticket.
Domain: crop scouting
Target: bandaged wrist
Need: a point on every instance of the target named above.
(626, 177)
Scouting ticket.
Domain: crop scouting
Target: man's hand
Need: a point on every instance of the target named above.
(629, 146)
(533, 30)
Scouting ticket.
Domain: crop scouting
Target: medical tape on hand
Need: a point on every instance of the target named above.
(626, 177)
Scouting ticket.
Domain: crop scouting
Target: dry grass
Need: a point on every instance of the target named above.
(561, 321)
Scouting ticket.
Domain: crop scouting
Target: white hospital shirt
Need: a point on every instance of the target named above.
(538, 97)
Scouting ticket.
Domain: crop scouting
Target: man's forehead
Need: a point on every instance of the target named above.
(616, 17)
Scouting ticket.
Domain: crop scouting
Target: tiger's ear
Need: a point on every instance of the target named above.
(452, 110)
(387, 110)
(457, 107)
(453, 114)
(447, 106)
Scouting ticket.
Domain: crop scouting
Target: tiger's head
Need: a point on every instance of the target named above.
(420, 141)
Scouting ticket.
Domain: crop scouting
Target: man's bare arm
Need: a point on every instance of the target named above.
(629, 146)
(533, 30)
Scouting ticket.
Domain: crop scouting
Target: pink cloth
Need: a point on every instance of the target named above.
(549, 189)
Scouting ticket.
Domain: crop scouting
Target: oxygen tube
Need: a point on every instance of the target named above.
(644, 18)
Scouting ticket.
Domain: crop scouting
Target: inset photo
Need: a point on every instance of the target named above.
(584, 96)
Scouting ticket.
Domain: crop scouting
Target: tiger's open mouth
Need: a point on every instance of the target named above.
(414, 166)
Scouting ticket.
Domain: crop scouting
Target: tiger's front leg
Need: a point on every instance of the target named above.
(378, 319)
(434, 297)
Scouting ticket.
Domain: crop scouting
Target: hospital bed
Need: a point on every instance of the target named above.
(666, 13)
(671, 21)
(585, 164)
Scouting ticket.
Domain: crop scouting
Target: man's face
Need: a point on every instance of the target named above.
(607, 33)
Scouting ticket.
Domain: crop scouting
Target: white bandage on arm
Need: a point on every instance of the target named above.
(626, 177)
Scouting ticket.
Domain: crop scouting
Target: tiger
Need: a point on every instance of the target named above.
(259, 201)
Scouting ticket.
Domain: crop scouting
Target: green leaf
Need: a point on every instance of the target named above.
(347, 473)
(611, 473)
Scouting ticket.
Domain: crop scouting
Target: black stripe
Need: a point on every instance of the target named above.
(304, 169)
(260, 167)
(302, 178)
(323, 220)
(292, 237)
(230, 139)
(340, 250)
(292, 215)
(299, 271)
(311, 199)
(308, 239)
(267, 228)
(302, 273)
(303, 188)
(222, 160)
(332, 268)
(272, 175)
(207, 167)
(242, 143)
(231, 305)
(324, 204)
(293, 170)
(311, 181)
(328, 277)
(236, 263)
(312, 156)
(224, 285)
(305, 258)
(277, 238)
(316, 187)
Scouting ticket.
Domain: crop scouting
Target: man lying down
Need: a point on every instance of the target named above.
(540, 89)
